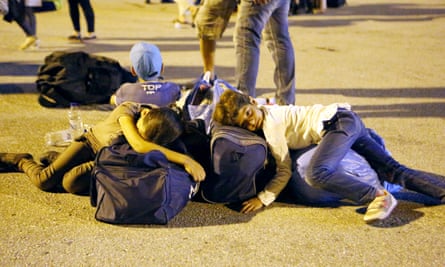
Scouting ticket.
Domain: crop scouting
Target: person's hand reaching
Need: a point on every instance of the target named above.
(252, 204)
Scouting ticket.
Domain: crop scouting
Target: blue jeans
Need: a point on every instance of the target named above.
(346, 130)
(273, 19)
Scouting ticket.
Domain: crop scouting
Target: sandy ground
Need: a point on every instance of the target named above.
(386, 58)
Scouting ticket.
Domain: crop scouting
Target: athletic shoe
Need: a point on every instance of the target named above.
(380, 208)
(36, 44)
(29, 41)
(90, 37)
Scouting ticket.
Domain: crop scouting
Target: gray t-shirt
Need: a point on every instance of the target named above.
(104, 132)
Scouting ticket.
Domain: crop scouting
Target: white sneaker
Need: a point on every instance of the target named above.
(380, 208)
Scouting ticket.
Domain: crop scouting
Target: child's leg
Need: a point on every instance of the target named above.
(324, 172)
(78, 179)
(50, 177)
(392, 171)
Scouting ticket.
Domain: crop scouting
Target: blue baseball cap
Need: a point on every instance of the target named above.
(146, 60)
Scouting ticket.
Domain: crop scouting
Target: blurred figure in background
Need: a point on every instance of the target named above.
(88, 12)
(187, 11)
(22, 12)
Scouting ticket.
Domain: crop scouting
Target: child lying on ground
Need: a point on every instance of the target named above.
(146, 128)
(336, 129)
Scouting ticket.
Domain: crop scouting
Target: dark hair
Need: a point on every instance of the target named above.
(226, 110)
(162, 126)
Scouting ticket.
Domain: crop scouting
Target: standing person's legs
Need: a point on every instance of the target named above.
(88, 12)
(75, 19)
(248, 29)
(48, 178)
(28, 24)
(211, 22)
(184, 6)
(207, 48)
(277, 38)
(323, 172)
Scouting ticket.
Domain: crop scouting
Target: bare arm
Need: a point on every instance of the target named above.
(141, 145)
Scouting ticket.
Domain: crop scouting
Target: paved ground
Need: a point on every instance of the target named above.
(386, 58)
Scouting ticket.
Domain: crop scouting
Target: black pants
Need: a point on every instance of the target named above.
(88, 12)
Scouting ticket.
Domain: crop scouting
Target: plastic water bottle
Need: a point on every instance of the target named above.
(75, 121)
(58, 138)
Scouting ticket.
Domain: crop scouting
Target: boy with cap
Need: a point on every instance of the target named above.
(147, 65)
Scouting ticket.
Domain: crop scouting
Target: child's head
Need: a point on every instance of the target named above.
(160, 125)
(146, 61)
(237, 109)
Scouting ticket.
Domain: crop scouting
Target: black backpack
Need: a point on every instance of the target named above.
(79, 77)
(132, 188)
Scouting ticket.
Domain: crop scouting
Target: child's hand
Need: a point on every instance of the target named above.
(252, 204)
(194, 169)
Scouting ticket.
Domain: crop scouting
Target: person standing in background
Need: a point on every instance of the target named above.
(211, 21)
(187, 11)
(254, 16)
(26, 19)
(75, 19)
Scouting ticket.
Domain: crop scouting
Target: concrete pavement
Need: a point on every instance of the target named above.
(386, 58)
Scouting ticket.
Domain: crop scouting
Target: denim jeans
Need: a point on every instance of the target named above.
(342, 132)
(273, 19)
(346, 130)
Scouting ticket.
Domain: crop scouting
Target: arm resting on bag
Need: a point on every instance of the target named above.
(141, 145)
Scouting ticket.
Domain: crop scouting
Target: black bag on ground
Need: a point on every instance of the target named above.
(335, 3)
(79, 77)
(132, 188)
(237, 156)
